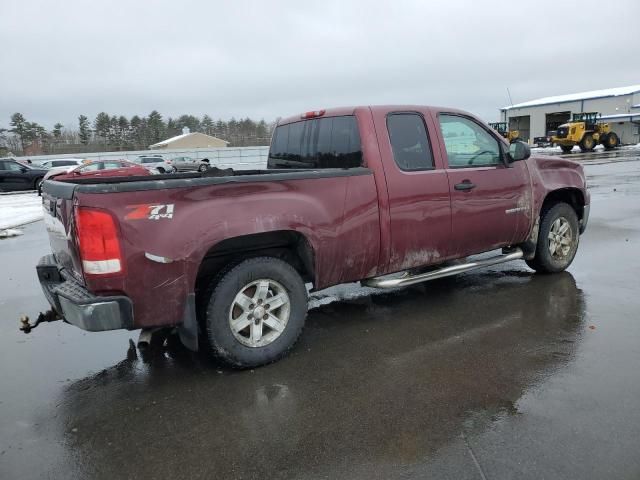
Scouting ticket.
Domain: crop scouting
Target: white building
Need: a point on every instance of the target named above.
(620, 107)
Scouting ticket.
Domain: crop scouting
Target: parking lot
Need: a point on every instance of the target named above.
(498, 373)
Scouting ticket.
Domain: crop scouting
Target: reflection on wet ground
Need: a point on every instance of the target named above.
(499, 373)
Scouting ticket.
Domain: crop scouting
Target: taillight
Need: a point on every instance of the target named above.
(98, 241)
(314, 114)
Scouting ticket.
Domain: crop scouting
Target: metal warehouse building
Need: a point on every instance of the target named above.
(618, 106)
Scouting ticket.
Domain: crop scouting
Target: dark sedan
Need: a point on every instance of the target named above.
(16, 176)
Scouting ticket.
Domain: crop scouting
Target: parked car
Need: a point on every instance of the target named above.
(101, 168)
(55, 167)
(189, 164)
(62, 162)
(17, 176)
(155, 163)
(371, 194)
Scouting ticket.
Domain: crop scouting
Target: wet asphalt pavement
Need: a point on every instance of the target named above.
(494, 374)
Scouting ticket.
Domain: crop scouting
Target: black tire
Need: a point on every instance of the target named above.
(566, 148)
(221, 297)
(38, 185)
(203, 167)
(161, 170)
(587, 144)
(611, 141)
(544, 261)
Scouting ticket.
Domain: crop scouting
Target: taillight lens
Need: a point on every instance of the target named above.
(98, 241)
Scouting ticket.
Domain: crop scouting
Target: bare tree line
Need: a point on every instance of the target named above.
(118, 133)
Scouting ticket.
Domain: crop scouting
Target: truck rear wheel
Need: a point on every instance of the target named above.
(611, 141)
(587, 144)
(558, 239)
(566, 148)
(255, 312)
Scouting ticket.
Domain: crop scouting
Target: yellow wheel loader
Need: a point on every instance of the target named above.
(585, 131)
(501, 128)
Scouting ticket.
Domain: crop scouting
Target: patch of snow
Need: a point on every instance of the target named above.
(572, 97)
(19, 209)
(10, 232)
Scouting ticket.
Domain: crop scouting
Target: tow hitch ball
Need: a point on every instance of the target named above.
(48, 316)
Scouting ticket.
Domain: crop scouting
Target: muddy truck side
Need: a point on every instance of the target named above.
(370, 194)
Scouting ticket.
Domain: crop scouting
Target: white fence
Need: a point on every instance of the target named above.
(238, 158)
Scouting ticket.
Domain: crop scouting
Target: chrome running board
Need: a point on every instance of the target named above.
(408, 279)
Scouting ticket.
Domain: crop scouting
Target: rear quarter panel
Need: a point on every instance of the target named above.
(345, 241)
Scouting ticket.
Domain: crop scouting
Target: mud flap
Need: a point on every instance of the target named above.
(531, 244)
(188, 330)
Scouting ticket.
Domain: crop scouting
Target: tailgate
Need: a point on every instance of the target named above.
(57, 202)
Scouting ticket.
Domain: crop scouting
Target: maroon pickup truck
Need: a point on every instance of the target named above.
(388, 196)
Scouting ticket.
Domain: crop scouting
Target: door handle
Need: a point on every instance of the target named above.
(465, 185)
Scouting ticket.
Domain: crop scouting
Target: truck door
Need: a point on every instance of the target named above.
(419, 207)
(490, 200)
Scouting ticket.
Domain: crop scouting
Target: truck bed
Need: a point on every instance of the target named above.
(66, 188)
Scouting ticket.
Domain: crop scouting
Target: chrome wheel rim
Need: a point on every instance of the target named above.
(560, 238)
(259, 313)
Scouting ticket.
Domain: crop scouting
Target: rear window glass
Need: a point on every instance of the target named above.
(150, 160)
(63, 163)
(409, 141)
(332, 142)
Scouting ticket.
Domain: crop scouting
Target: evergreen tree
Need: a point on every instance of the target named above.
(84, 130)
(156, 126)
(101, 126)
(134, 127)
(123, 131)
(207, 125)
(57, 130)
(19, 128)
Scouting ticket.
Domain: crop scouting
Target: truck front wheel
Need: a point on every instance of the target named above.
(255, 312)
(558, 239)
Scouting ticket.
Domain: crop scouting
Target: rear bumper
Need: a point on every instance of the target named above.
(585, 218)
(80, 307)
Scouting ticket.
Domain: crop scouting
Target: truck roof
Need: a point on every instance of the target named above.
(340, 111)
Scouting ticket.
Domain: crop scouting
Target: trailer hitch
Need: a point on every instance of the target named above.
(48, 316)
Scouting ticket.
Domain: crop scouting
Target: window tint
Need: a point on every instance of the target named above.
(13, 166)
(409, 141)
(111, 165)
(92, 167)
(63, 163)
(332, 142)
(150, 160)
(467, 143)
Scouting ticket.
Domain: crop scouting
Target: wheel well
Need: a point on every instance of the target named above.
(572, 196)
(290, 246)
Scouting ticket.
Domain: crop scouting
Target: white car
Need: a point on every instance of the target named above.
(60, 163)
(155, 163)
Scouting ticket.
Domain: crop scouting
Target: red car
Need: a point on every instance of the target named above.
(349, 194)
(101, 168)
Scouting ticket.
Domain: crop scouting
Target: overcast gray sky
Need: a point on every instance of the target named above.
(269, 59)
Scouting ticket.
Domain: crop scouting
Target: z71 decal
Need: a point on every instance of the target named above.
(150, 212)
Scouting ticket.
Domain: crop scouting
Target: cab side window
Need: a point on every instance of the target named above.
(467, 143)
(409, 141)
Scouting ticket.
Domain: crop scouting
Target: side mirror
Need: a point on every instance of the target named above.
(519, 150)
